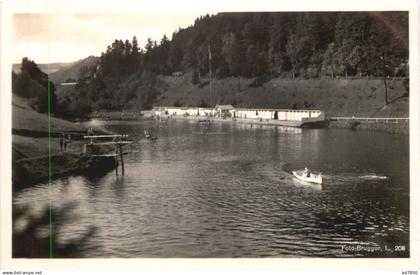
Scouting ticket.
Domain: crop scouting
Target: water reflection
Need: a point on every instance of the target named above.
(119, 190)
(229, 192)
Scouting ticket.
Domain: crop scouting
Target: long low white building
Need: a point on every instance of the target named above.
(250, 113)
(298, 117)
(279, 114)
(183, 111)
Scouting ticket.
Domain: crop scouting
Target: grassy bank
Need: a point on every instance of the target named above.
(400, 127)
(30, 148)
(337, 97)
(24, 117)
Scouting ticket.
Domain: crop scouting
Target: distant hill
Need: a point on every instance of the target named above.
(61, 71)
(73, 70)
(46, 68)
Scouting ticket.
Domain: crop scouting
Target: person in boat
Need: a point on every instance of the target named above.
(307, 172)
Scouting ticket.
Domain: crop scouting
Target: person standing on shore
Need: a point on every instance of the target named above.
(68, 139)
(61, 141)
(90, 133)
(64, 143)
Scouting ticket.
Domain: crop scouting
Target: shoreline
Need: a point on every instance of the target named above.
(28, 172)
(268, 122)
(31, 158)
(31, 161)
(401, 127)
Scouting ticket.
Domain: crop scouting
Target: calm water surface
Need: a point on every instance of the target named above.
(229, 192)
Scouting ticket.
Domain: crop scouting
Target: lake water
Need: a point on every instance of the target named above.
(228, 192)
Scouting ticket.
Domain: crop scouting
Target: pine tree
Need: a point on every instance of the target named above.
(329, 59)
(386, 46)
(297, 50)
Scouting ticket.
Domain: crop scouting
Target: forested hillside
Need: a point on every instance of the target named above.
(33, 84)
(253, 44)
(256, 46)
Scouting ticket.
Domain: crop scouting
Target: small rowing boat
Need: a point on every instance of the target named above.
(308, 177)
(204, 121)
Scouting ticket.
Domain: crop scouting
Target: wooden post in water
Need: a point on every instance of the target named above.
(122, 159)
(116, 159)
(117, 141)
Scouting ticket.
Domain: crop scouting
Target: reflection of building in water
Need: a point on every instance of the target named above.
(282, 117)
(279, 129)
(314, 137)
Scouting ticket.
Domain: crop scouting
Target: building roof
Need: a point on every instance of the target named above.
(230, 107)
(278, 110)
(170, 107)
(224, 107)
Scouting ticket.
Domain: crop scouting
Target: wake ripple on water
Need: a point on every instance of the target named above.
(355, 178)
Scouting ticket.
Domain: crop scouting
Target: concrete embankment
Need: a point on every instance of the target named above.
(31, 163)
(394, 127)
(389, 126)
(268, 122)
(30, 171)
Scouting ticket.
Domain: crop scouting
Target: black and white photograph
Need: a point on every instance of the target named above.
(211, 134)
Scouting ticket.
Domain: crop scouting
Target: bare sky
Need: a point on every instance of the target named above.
(48, 38)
